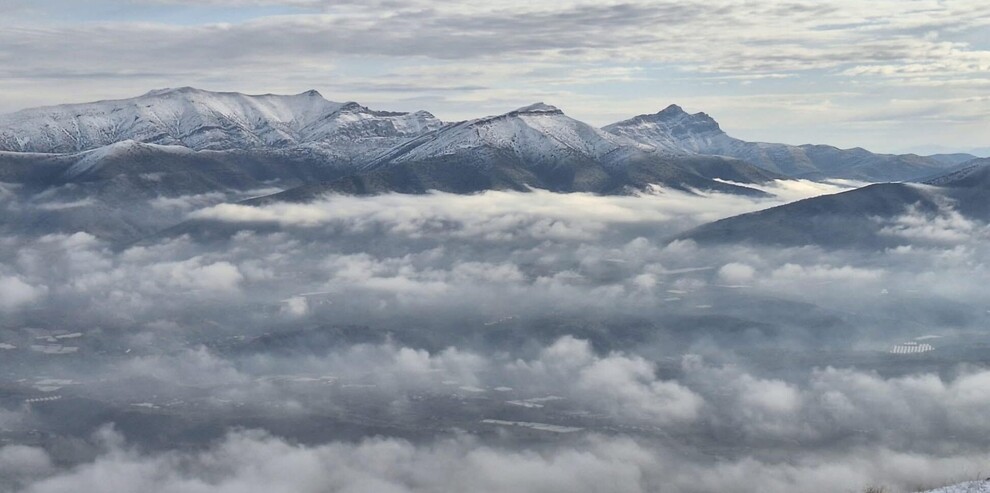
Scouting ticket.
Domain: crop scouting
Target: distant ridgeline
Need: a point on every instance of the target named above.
(96, 163)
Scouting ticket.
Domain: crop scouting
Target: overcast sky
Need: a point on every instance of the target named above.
(889, 75)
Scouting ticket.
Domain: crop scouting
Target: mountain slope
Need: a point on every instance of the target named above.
(129, 189)
(675, 130)
(201, 120)
(535, 146)
(173, 146)
(878, 215)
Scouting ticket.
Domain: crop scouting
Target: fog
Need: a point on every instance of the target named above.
(490, 342)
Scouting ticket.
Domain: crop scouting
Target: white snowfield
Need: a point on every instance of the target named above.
(200, 120)
(969, 487)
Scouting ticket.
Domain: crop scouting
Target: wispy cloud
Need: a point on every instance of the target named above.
(569, 50)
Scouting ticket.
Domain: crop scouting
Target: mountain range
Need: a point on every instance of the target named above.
(205, 120)
(675, 130)
(537, 146)
(93, 164)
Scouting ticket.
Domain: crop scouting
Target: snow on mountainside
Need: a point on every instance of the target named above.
(538, 133)
(672, 129)
(90, 161)
(536, 146)
(200, 120)
(970, 487)
(678, 131)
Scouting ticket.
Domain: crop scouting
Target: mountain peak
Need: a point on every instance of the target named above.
(538, 108)
(201, 119)
(172, 90)
(187, 90)
(671, 129)
(697, 122)
(353, 106)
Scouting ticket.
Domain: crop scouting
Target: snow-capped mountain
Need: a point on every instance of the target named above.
(539, 133)
(672, 129)
(676, 130)
(200, 120)
(187, 142)
(536, 146)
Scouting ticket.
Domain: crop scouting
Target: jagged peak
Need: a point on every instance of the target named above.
(353, 106)
(676, 114)
(675, 110)
(703, 117)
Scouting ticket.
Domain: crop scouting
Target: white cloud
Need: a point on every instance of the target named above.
(495, 215)
(623, 385)
(15, 293)
(196, 274)
(296, 306)
(736, 273)
(947, 227)
(249, 461)
(806, 65)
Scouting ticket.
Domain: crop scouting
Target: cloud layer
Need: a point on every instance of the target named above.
(251, 461)
(795, 65)
(490, 342)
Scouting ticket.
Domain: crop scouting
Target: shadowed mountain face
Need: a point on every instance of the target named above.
(968, 188)
(129, 189)
(675, 130)
(874, 216)
(534, 147)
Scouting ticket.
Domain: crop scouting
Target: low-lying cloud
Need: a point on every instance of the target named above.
(249, 461)
(562, 338)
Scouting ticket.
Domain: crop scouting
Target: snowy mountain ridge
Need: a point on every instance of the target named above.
(203, 120)
(538, 133)
(349, 135)
(672, 129)
(676, 130)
